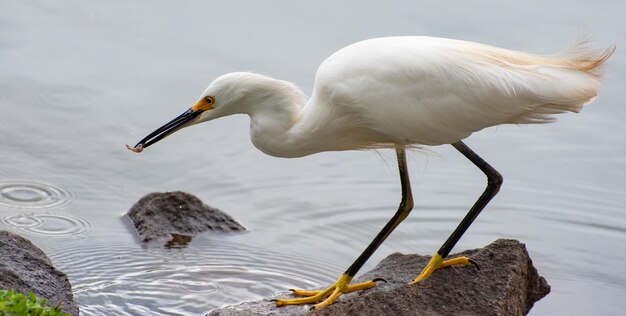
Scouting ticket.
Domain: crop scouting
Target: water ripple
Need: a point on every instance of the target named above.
(31, 194)
(192, 281)
(65, 97)
(49, 225)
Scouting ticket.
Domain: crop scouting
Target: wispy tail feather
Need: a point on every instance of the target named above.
(581, 57)
(578, 71)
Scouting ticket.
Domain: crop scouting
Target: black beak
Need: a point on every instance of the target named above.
(165, 130)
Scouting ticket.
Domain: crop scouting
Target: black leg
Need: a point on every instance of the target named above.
(406, 205)
(494, 181)
(342, 285)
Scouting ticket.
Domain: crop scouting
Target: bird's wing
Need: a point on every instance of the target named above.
(434, 91)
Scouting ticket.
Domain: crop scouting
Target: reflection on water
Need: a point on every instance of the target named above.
(79, 81)
(178, 241)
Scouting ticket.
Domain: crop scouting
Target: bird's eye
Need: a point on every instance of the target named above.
(209, 99)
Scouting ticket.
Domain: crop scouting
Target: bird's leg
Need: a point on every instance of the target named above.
(494, 181)
(342, 285)
(329, 295)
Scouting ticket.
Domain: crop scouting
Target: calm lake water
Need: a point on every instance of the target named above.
(79, 79)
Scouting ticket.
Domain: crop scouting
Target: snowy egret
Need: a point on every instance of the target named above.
(400, 92)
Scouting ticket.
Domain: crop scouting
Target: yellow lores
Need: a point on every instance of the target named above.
(204, 104)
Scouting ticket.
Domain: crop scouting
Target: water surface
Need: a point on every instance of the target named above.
(80, 79)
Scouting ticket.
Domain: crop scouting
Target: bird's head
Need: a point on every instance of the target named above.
(224, 96)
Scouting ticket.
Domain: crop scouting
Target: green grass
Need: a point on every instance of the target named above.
(18, 304)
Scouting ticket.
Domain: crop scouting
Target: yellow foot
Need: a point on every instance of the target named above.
(329, 295)
(437, 263)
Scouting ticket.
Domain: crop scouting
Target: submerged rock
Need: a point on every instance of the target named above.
(24, 267)
(176, 217)
(506, 284)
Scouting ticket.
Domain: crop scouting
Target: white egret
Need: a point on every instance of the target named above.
(399, 92)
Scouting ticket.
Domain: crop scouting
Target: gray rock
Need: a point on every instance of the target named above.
(506, 284)
(176, 217)
(24, 267)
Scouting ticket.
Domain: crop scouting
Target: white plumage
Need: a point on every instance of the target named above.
(407, 91)
(399, 92)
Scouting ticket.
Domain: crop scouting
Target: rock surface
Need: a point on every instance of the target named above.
(506, 284)
(24, 267)
(177, 216)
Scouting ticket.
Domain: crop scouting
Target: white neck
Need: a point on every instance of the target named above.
(282, 122)
(272, 119)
